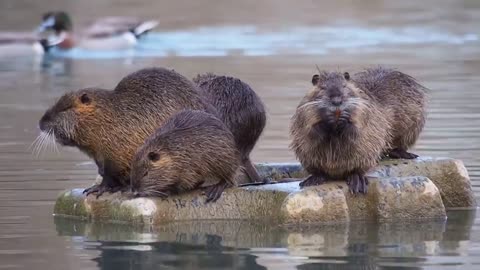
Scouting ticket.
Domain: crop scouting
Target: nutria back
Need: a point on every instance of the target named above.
(238, 106)
(192, 149)
(403, 95)
(109, 126)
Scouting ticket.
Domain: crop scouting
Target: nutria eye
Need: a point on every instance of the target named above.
(85, 99)
(153, 156)
(346, 75)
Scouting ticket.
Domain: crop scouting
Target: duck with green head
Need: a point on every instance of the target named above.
(110, 33)
(17, 44)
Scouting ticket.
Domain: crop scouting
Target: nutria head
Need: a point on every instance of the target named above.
(152, 169)
(334, 104)
(74, 113)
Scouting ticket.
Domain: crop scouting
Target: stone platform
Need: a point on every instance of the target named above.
(399, 190)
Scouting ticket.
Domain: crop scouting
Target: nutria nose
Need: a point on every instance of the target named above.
(336, 101)
(44, 120)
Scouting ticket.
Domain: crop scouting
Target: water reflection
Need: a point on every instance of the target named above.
(250, 245)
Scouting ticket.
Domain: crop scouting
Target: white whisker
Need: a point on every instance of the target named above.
(54, 142)
(43, 145)
(36, 143)
(315, 102)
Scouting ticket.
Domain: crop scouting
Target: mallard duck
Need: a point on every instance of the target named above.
(14, 44)
(110, 33)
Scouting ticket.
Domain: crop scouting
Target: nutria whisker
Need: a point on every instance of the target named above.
(310, 103)
(39, 144)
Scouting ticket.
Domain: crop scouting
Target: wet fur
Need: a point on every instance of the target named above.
(115, 123)
(384, 110)
(241, 110)
(195, 149)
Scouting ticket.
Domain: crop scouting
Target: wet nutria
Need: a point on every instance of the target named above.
(190, 148)
(344, 125)
(242, 111)
(109, 126)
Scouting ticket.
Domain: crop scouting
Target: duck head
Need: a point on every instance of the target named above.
(58, 21)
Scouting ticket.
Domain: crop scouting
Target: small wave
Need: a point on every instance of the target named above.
(247, 40)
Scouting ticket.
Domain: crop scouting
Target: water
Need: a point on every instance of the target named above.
(274, 46)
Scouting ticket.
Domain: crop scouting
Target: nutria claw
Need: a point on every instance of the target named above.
(401, 154)
(98, 189)
(312, 180)
(357, 183)
(214, 192)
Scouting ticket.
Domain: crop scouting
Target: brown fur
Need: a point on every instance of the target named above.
(404, 96)
(241, 110)
(113, 124)
(191, 149)
(378, 110)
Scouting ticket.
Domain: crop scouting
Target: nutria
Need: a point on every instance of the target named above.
(344, 125)
(192, 149)
(242, 111)
(109, 126)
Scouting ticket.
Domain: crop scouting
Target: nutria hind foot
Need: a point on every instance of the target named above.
(357, 183)
(214, 192)
(313, 180)
(398, 153)
(100, 189)
(252, 173)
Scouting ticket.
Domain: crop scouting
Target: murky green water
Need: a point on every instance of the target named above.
(274, 46)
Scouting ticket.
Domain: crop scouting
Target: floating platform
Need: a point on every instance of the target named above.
(399, 190)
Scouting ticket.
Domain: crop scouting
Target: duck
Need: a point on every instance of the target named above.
(17, 44)
(109, 33)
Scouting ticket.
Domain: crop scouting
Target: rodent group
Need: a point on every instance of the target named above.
(158, 133)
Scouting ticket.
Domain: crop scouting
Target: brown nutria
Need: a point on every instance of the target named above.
(109, 126)
(344, 125)
(241, 110)
(192, 149)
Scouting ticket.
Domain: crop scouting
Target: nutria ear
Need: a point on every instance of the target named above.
(315, 79)
(153, 156)
(346, 75)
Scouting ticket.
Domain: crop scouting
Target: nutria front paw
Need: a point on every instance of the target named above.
(95, 189)
(399, 153)
(100, 189)
(357, 183)
(312, 180)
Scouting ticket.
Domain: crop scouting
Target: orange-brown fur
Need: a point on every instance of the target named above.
(113, 124)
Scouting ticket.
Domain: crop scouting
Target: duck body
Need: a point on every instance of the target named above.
(16, 44)
(109, 33)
